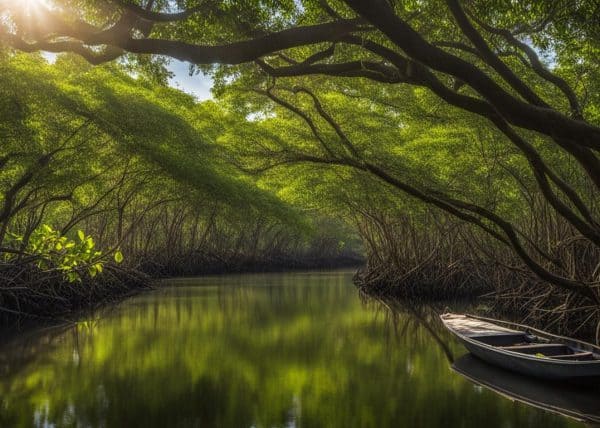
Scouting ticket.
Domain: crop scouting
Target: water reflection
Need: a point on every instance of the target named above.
(249, 350)
(565, 399)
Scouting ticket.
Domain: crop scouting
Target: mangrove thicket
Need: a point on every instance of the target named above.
(455, 143)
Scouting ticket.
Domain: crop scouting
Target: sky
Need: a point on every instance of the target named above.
(197, 85)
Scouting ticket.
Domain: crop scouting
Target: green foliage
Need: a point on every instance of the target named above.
(118, 256)
(159, 126)
(71, 257)
(97, 146)
(162, 148)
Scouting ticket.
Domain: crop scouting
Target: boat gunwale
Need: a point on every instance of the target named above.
(513, 354)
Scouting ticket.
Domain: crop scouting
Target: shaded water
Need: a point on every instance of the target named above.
(276, 350)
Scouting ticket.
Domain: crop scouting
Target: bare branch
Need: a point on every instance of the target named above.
(367, 69)
(490, 57)
(301, 114)
(329, 119)
(535, 64)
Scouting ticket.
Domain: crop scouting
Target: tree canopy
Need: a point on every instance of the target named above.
(482, 110)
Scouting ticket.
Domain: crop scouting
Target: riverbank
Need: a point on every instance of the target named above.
(426, 282)
(33, 296)
(212, 265)
(41, 297)
(515, 295)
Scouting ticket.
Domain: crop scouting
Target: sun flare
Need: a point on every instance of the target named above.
(32, 6)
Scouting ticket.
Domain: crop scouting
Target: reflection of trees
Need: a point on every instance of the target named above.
(421, 316)
(246, 353)
(17, 352)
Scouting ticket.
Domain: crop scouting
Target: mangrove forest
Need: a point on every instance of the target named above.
(253, 213)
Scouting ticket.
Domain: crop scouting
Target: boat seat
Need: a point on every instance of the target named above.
(578, 356)
(547, 349)
(501, 339)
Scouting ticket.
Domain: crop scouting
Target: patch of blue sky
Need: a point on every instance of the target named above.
(197, 85)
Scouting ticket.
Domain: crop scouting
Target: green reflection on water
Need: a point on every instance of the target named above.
(278, 350)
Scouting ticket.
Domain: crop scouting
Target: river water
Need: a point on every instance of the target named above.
(257, 350)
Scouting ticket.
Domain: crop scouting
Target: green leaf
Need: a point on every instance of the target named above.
(81, 235)
(72, 276)
(118, 256)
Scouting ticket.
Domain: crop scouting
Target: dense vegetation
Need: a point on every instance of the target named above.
(99, 168)
(459, 139)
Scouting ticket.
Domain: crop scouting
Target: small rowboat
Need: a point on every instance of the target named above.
(526, 350)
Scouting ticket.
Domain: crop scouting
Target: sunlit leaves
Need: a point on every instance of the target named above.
(125, 138)
(118, 256)
(71, 257)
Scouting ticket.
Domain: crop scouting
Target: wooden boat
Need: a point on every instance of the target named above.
(526, 350)
(562, 398)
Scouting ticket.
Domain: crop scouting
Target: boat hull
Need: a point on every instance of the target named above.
(539, 368)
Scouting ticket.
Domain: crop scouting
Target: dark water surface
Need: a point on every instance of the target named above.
(275, 350)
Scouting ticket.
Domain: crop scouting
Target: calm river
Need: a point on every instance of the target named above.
(257, 350)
